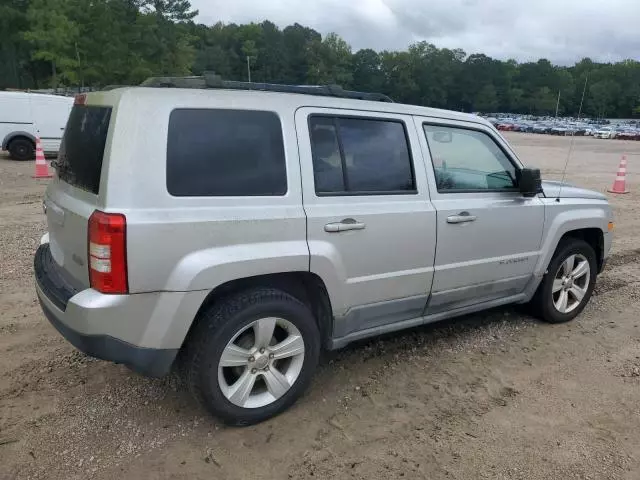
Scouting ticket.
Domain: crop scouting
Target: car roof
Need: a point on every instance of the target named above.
(33, 95)
(291, 100)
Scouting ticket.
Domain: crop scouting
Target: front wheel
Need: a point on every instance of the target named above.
(568, 284)
(253, 355)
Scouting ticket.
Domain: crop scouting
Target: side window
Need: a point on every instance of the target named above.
(327, 161)
(225, 153)
(468, 160)
(360, 156)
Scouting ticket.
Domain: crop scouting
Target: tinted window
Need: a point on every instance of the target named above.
(80, 158)
(468, 160)
(360, 156)
(225, 153)
(327, 162)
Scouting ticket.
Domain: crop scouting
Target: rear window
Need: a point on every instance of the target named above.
(80, 159)
(225, 153)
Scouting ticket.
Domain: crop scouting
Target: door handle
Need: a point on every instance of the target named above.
(462, 217)
(344, 225)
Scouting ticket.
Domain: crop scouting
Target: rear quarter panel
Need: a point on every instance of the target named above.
(197, 243)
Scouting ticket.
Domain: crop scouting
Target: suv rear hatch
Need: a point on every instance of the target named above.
(73, 195)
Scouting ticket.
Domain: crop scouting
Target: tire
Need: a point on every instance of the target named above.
(232, 325)
(22, 149)
(545, 302)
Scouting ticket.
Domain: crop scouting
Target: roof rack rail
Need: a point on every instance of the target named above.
(211, 80)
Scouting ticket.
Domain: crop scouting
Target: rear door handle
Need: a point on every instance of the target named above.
(343, 226)
(462, 217)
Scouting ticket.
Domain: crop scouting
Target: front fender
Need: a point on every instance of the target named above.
(558, 223)
(559, 220)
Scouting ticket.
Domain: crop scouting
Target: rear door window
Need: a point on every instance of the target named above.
(360, 156)
(225, 153)
(80, 159)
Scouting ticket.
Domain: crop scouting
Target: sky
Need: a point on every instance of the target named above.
(563, 31)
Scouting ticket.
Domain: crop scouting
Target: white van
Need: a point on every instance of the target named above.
(25, 115)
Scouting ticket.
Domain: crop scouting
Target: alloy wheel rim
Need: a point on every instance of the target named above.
(261, 362)
(571, 283)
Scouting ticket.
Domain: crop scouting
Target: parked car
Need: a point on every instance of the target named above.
(236, 233)
(522, 127)
(559, 130)
(628, 134)
(605, 132)
(24, 115)
(505, 126)
(541, 128)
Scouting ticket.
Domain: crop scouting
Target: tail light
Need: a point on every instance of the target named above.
(108, 252)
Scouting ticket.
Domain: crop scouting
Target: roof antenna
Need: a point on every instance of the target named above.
(573, 134)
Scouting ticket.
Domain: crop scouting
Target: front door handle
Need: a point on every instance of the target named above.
(462, 217)
(343, 226)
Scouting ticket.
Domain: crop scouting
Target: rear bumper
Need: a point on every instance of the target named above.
(150, 362)
(108, 327)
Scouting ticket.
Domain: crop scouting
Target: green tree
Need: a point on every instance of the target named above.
(543, 101)
(330, 62)
(603, 94)
(14, 50)
(486, 99)
(515, 100)
(271, 63)
(100, 42)
(53, 36)
(400, 83)
(172, 10)
(297, 44)
(368, 75)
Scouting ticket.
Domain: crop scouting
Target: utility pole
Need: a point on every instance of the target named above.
(248, 68)
(558, 104)
(80, 66)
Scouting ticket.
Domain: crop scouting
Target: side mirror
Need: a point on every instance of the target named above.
(529, 182)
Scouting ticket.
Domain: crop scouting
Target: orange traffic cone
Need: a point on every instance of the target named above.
(619, 185)
(42, 167)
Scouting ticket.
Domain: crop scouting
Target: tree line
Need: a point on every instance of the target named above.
(52, 43)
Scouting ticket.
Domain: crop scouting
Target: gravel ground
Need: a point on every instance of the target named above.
(495, 395)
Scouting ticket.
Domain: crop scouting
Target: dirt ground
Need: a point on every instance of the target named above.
(496, 395)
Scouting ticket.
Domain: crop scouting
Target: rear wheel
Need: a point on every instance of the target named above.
(253, 355)
(22, 148)
(568, 284)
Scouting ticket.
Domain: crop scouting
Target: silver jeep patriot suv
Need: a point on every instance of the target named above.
(237, 229)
